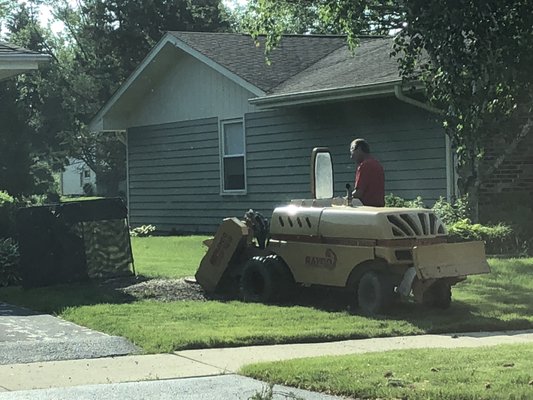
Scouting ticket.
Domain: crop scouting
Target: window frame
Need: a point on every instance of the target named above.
(221, 136)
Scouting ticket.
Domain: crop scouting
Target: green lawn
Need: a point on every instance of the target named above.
(170, 257)
(500, 372)
(66, 199)
(501, 300)
(164, 327)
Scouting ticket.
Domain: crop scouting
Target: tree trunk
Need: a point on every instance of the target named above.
(468, 183)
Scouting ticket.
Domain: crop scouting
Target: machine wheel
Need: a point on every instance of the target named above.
(374, 293)
(438, 295)
(283, 281)
(257, 281)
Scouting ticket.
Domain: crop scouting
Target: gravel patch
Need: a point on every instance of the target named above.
(166, 290)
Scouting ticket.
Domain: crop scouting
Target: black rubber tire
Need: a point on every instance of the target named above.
(374, 293)
(283, 281)
(438, 295)
(257, 281)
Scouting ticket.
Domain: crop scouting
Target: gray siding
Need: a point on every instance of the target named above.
(187, 90)
(174, 168)
(176, 86)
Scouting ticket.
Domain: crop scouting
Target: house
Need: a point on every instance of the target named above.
(15, 60)
(77, 179)
(212, 130)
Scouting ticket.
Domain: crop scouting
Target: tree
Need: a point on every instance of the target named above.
(30, 149)
(347, 17)
(107, 40)
(474, 57)
(47, 112)
(15, 159)
(476, 60)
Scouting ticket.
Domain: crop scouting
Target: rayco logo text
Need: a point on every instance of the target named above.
(329, 261)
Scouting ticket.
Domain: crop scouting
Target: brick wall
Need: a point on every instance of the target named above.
(514, 177)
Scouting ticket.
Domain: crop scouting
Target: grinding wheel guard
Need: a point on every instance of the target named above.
(447, 260)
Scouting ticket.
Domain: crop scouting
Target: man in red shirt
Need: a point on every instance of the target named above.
(369, 178)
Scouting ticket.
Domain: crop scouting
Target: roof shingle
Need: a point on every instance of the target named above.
(239, 54)
(369, 64)
(11, 50)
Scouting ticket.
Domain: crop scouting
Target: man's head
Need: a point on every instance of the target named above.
(359, 150)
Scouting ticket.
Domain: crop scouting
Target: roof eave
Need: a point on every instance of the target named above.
(326, 95)
(13, 65)
(30, 58)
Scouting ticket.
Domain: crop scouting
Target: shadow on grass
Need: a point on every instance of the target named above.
(321, 298)
(501, 301)
(318, 297)
(460, 317)
(55, 299)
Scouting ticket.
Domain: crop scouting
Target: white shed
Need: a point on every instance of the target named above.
(76, 176)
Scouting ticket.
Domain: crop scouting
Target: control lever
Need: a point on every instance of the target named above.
(349, 194)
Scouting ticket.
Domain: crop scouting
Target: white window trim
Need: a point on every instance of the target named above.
(221, 156)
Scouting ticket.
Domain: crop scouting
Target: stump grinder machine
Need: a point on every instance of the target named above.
(380, 255)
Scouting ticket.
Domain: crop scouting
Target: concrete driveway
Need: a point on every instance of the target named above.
(27, 336)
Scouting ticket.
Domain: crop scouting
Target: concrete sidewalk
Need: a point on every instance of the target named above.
(203, 388)
(232, 359)
(210, 362)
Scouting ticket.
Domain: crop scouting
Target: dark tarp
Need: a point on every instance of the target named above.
(74, 241)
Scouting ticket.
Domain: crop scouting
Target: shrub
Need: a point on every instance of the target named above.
(515, 209)
(451, 213)
(32, 201)
(5, 198)
(499, 239)
(142, 231)
(397, 202)
(9, 262)
(8, 209)
(7, 214)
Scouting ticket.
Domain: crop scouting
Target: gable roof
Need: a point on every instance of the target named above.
(316, 67)
(240, 54)
(303, 68)
(15, 60)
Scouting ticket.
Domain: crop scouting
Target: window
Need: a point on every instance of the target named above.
(87, 173)
(233, 163)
